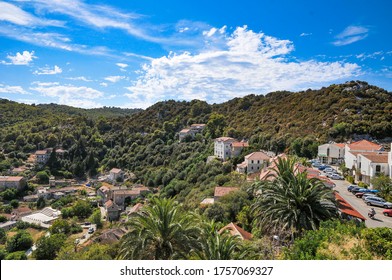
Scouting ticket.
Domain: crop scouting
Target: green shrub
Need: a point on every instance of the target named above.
(350, 179)
(363, 185)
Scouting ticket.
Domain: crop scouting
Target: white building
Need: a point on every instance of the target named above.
(222, 147)
(253, 162)
(370, 165)
(191, 131)
(42, 156)
(116, 174)
(331, 153)
(13, 182)
(352, 150)
(43, 218)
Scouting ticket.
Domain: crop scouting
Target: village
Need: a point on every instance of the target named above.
(117, 198)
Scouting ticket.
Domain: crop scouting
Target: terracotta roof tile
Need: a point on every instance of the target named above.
(346, 207)
(257, 156)
(376, 157)
(115, 170)
(364, 145)
(11, 178)
(340, 145)
(239, 144)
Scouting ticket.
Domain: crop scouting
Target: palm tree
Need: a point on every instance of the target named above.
(161, 231)
(215, 245)
(291, 201)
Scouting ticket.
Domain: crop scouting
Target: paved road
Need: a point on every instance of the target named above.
(361, 207)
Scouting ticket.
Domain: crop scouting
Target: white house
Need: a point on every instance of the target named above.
(370, 164)
(352, 150)
(191, 131)
(116, 174)
(222, 147)
(42, 156)
(253, 162)
(13, 182)
(331, 153)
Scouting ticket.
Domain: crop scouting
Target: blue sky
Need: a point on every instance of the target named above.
(138, 52)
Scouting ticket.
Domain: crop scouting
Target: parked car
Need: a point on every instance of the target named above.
(336, 177)
(378, 201)
(322, 167)
(387, 212)
(328, 169)
(91, 230)
(365, 195)
(363, 190)
(349, 188)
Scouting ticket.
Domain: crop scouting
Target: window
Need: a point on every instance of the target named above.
(378, 168)
(328, 152)
(258, 161)
(252, 161)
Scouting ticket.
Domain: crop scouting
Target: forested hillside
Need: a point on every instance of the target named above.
(145, 142)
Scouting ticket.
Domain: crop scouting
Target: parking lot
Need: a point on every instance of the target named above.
(359, 205)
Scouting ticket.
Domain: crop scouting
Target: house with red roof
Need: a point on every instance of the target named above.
(359, 147)
(370, 165)
(253, 163)
(227, 147)
(13, 182)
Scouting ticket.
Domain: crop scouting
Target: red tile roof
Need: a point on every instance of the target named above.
(115, 170)
(135, 208)
(221, 191)
(364, 145)
(340, 145)
(11, 178)
(41, 152)
(235, 230)
(108, 203)
(185, 130)
(257, 155)
(346, 207)
(239, 144)
(376, 157)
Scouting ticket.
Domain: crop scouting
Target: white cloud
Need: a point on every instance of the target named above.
(48, 71)
(305, 34)
(99, 16)
(12, 89)
(183, 29)
(114, 79)
(210, 32)
(103, 84)
(122, 65)
(71, 95)
(16, 15)
(245, 63)
(23, 58)
(351, 34)
(81, 78)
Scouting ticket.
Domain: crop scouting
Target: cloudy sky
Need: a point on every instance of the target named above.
(135, 53)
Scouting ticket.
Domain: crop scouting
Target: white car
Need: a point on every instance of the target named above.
(336, 177)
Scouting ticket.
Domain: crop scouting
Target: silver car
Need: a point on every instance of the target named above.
(378, 201)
